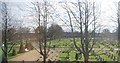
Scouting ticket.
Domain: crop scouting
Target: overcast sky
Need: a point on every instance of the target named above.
(108, 8)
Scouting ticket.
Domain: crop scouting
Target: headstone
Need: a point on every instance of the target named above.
(114, 58)
(103, 59)
(80, 55)
(68, 55)
(76, 56)
(53, 46)
(100, 59)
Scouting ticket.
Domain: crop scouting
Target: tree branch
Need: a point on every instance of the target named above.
(11, 48)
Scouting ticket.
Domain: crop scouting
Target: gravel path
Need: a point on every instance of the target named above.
(33, 55)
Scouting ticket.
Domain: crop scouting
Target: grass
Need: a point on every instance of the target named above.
(0, 54)
(16, 47)
(67, 43)
(63, 43)
(63, 56)
(92, 58)
(72, 56)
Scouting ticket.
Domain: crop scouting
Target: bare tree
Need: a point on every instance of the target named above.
(116, 19)
(118, 31)
(6, 19)
(85, 19)
(42, 13)
(22, 34)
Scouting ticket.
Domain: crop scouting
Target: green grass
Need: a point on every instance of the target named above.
(92, 58)
(10, 53)
(67, 43)
(63, 43)
(105, 58)
(72, 56)
(63, 56)
(0, 53)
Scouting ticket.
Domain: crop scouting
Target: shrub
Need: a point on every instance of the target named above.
(14, 52)
(22, 48)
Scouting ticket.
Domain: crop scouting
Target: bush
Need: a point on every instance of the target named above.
(22, 48)
(14, 52)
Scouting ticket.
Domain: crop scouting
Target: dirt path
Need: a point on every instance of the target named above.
(34, 56)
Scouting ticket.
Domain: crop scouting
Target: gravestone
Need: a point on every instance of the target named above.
(114, 58)
(68, 56)
(80, 56)
(76, 56)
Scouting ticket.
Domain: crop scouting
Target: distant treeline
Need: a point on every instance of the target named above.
(78, 34)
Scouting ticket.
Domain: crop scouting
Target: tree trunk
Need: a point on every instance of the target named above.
(86, 57)
(22, 48)
(118, 31)
(4, 58)
(118, 41)
(44, 59)
(5, 54)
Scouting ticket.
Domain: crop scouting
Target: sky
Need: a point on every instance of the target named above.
(107, 11)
